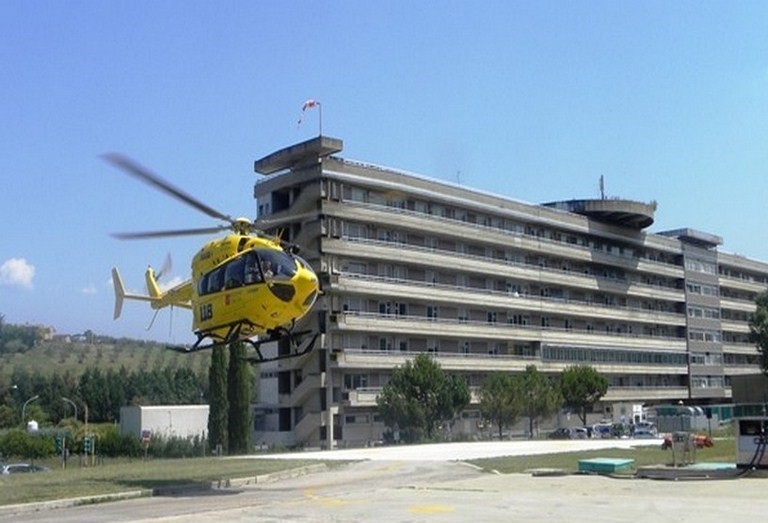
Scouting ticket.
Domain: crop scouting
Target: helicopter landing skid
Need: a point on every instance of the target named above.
(298, 347)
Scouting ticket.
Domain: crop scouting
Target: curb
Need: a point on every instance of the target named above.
(267, 478)
(38, 506)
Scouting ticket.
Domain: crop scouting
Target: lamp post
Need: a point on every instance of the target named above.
(74, 406)
(24, 407)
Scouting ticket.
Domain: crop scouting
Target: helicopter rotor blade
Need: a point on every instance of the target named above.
(166, 268)
(131, 167)
(169, 234)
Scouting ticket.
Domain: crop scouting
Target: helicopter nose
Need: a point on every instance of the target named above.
(307, 286)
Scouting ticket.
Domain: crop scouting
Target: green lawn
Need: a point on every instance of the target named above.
(123, 475)
(723, 451)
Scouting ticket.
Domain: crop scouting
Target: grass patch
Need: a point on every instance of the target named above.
(124, 475)
(723, 452)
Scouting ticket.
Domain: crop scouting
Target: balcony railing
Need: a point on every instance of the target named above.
(506, 325)
(504, 293)
(483, 228)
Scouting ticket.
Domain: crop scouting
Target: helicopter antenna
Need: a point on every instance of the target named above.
(170, 324)
(152, 322)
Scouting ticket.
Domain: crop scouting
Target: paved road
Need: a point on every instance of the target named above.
(468, 451)
(410, 489)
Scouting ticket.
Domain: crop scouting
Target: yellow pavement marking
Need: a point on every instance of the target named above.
(431, 509)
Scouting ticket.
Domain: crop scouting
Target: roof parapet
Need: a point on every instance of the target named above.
(700, 238)
(309, 151)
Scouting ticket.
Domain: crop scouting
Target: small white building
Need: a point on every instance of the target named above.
(181, 421)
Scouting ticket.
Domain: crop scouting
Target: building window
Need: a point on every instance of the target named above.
(355, 381)
(432, 312)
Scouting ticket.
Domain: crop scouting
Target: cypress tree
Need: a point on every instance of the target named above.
(219, 407)
(239, 397)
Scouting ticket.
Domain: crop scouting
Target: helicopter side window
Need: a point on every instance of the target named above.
(202, 285)
(216, 280)
(234, 272)
(252, 271)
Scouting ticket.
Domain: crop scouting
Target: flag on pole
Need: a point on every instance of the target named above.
(309, 104)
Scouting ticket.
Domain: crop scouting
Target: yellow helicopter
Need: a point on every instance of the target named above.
(245, 285)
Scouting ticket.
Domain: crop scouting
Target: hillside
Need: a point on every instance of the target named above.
(48, 356)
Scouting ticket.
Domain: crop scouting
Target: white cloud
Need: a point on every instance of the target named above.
(17, 272)
(89, 289)
(177, 280)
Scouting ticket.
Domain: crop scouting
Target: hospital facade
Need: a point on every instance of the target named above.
(485, 283)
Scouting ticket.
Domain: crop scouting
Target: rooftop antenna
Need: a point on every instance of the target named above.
(602, 187)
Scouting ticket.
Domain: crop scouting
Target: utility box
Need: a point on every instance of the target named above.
(167, 421)
(751, 442)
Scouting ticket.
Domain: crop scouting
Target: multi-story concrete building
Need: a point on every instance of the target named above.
(485, 283)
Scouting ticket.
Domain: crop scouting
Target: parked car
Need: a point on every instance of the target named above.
(579, 433)
(568, 433)
(23, 468)
(561, 433)
(602, 430)
(645, 429)
(644, 433)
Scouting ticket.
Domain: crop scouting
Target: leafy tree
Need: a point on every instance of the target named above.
(18, 338)
(758, 328)
(581, 387)
(239, 382)
(9, 417)
(219, 407)
(540, 397)
(501, 400)
(419, 396)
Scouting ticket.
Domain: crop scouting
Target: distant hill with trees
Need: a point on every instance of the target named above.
(35, 349)
(104, 372)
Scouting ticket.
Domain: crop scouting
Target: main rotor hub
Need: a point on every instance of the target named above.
(242, 226)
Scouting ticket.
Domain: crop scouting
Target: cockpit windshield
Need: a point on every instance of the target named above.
(276, 264)
(254, 266)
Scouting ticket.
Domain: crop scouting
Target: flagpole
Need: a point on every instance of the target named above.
(320, 117)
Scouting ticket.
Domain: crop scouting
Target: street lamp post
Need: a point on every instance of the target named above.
(74, 406)
(24, 407)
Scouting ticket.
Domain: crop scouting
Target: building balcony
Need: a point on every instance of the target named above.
(740, 348)
(434, 293)
(401, 253)
(741, 284)
(421, 326)
(367, 397)
(363, 397)
(645, 394)
(735, 304)
(411, 220)
(361, 359)
(734, 326)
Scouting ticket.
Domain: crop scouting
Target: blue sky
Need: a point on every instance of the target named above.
(534, 100)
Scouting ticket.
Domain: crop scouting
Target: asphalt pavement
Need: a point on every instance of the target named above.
(466, 451)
